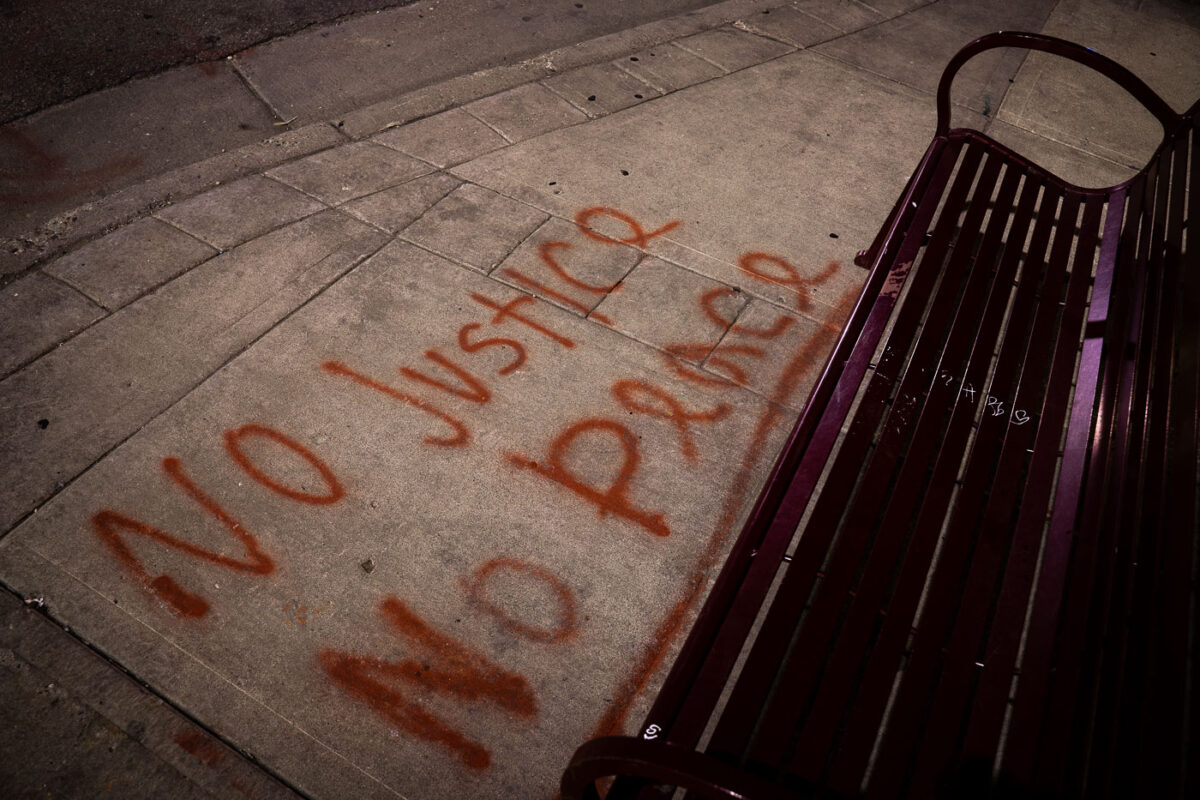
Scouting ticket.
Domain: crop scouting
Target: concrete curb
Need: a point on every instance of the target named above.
(65, 231)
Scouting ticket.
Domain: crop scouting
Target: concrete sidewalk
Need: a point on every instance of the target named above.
(395, 454)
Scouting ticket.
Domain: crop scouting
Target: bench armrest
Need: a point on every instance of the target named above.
(663, 763)
(1059, 47)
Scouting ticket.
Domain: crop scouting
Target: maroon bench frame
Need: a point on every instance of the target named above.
(972, 571)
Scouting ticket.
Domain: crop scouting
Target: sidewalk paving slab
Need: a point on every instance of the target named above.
(562, 265)
(913, 48)
(846, 16)
(475, 226)
(1068, 103)
(732, 49)
(789, 26)
(36, 313)
(669, 68)
(445, 139)
(775, 142)
(668, 306)
(525, 111)
(237, 212)
(394, 209)
(600, 89)
(339, 174)
(130, 261)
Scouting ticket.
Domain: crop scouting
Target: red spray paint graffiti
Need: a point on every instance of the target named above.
(638, 237)
(233, 445)
(461, 437)
(566, 624)
(446, 668)
(109, 526)
(496, 341)
(546, 253)
(611, 500)
(787, 275)
(440, 665)
(472, 388)
(505, 311)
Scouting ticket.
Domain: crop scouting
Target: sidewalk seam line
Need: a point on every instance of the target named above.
(590, 114)
(490, 125)
(525, 239)
(746, 27)
(154, 215)
(254, 90)
(662, 91)
(724, 70)
(77, 290)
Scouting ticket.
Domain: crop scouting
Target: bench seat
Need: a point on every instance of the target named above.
(972, 571)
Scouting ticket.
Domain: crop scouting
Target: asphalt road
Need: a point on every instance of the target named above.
(55, 50)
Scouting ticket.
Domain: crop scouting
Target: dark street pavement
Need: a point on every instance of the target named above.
(57, 50)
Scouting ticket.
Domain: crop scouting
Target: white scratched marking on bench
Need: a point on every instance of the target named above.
(651, 732)
(1018, 416)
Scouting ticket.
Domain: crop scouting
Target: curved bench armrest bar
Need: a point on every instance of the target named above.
(1059, 47)
(659, 762)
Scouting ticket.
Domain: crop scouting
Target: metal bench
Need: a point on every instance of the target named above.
(972, 571)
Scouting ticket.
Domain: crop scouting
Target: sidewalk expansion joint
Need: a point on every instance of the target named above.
(280, 122)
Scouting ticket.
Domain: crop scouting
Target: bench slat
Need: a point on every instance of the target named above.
(1171, 566)
(770, 648)
(771, 548)
(1018, 440)
(1000, 448)
(922, 671)
(860, 460)
(944, 454)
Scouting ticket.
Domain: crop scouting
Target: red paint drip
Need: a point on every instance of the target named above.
(198, 745)
(48, 173)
